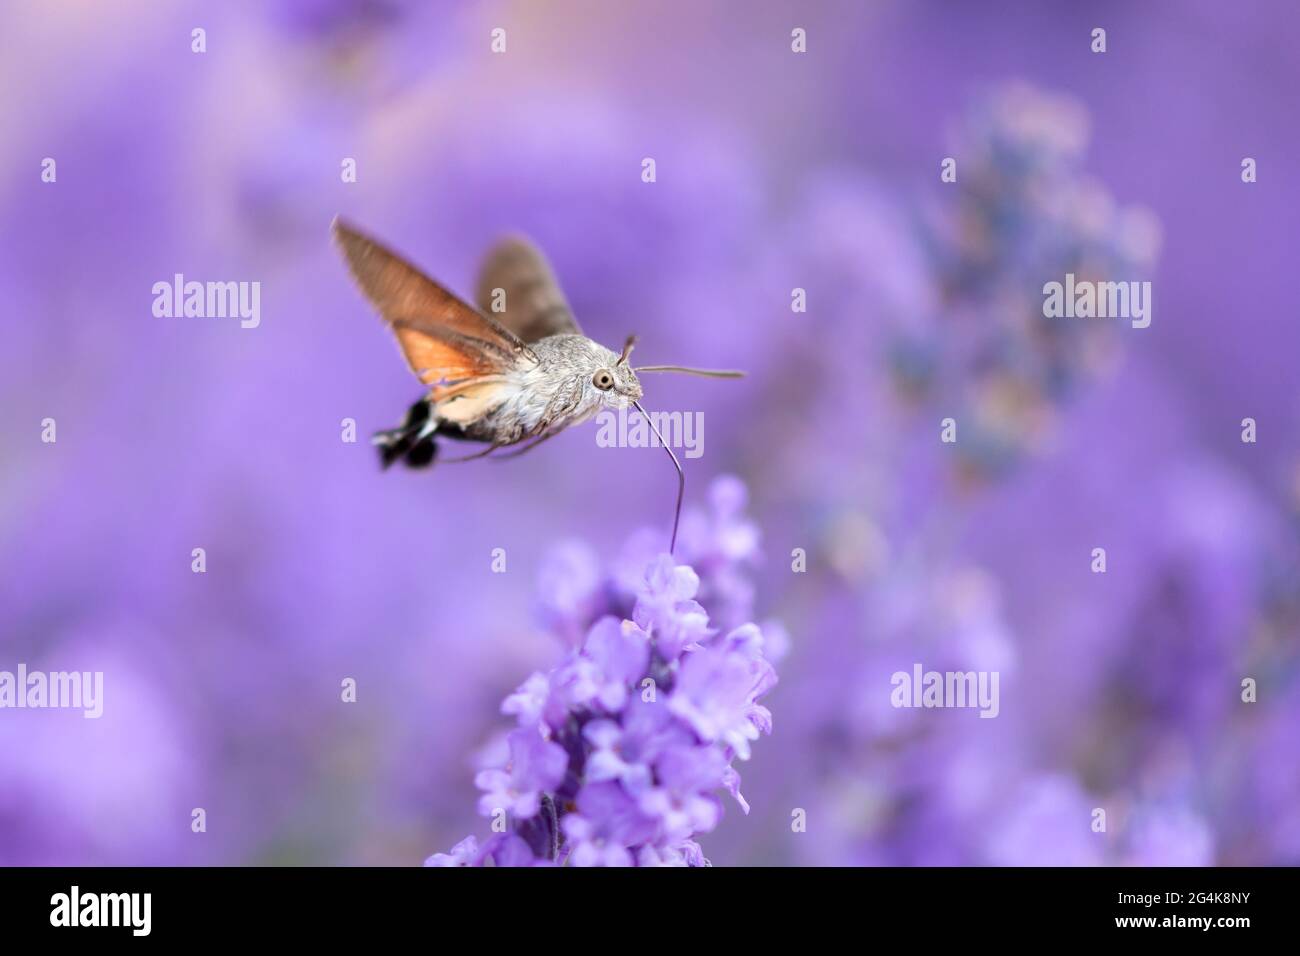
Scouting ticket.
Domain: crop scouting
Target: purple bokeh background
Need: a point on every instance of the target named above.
(775, 170)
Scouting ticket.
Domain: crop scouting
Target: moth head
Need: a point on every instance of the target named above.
(614, 381)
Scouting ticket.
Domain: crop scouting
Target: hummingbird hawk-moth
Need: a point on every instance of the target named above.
(509, 374)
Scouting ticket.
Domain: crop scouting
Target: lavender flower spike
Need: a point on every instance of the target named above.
(622, 749)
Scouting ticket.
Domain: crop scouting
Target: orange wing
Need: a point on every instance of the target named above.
(444, 359)
(444, 339)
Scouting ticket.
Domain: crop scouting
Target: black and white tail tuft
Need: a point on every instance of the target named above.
(412, 442)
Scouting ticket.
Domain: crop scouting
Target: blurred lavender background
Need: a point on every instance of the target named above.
(775, 170)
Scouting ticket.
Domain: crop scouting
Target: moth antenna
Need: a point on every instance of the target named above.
(681, 475)
(628, 346)
(706, 372)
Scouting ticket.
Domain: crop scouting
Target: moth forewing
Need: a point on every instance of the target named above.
(401, 292)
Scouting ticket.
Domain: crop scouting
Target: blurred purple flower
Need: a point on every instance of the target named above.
(570, 590)
(717, 689)
(613, 657)
(1168, 836)
(605, 824)
(536, 764)
(1046, 824)
(464, 853)
(666, 609)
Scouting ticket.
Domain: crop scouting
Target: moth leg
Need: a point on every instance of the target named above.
(515, 453)
(483, 453)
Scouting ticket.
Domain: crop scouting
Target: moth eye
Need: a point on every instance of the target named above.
(603, 380)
